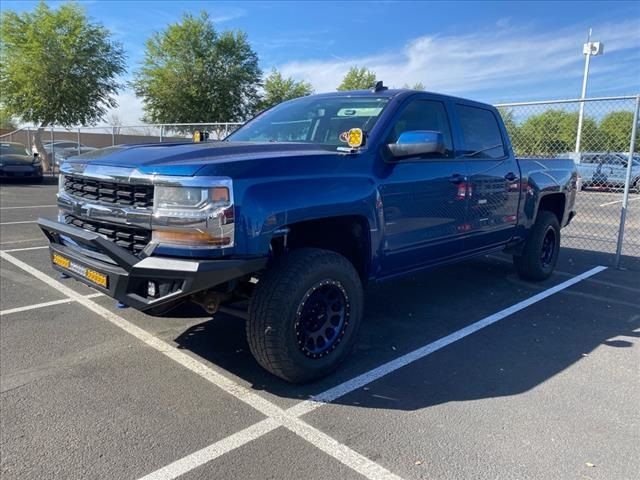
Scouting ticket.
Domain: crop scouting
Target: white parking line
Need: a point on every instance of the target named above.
(344, 454)
(45, 304)
(619, 201)
(350, 385)
(34, 239)
(215, 450)
(17, 223)
(277, 416)
(28, 206)
(25, 249)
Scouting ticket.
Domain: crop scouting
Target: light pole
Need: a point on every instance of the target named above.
(589, 49)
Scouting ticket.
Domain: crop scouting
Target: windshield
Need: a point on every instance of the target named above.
(8, 149)
(319, 120)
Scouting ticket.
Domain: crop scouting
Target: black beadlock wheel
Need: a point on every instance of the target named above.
(540, 253)
(305, 314)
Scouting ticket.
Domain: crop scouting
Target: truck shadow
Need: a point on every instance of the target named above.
(508, 358)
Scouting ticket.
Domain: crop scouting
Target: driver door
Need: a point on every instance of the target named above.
(424, 197)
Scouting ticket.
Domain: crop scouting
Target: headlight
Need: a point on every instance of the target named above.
(194, 216)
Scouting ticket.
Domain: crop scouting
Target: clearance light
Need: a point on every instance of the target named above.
(61, 261)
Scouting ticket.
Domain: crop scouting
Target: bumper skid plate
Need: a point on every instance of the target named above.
(125, 277)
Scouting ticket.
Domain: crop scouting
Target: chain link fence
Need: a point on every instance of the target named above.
(65, 142)
(608, 205)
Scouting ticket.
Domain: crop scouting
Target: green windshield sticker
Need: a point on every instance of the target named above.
(359, 112)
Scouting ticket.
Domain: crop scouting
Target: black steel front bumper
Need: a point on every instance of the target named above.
(128, 275)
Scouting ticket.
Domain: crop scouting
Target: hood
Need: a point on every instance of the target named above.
(187, 158)
(15, 159)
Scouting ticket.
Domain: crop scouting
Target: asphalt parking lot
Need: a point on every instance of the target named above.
(459, 372)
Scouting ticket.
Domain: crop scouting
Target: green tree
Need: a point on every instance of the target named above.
(57, 67)
(6, 121)
(616, 131)
(554, 131)
(192, 73)
(358, 79)
(512, 127)
(278, 89)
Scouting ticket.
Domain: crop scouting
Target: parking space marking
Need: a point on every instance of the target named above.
(44, 304)
(35, 239)
(619, 201)
(17, 223)
(25, 249)
(28, 206)
(361, 380)
(213, 451)
(324, 442)
(289, 418)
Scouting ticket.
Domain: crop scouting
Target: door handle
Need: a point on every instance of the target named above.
(511, 176)
(456, 178)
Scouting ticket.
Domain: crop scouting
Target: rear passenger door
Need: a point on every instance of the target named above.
(494, 177)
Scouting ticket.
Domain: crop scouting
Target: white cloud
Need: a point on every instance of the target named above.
(129, 110)
(222, 15)
(506, 56)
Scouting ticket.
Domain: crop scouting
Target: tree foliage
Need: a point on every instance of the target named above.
(358, 79)
(616, 130)
(57, 67)
(192, 73)
(6, 120)
(553, 132)
(278, 89)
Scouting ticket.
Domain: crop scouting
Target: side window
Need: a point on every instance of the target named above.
(424, 115)
(480, 132)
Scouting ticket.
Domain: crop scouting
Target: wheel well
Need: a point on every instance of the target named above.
(346, 235)
(553, 203)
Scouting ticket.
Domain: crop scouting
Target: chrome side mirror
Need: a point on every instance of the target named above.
(417, 142)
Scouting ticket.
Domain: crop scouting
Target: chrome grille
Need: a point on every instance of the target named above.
(132, 239)
(113, 193)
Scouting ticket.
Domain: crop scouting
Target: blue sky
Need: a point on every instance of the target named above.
(489, 51)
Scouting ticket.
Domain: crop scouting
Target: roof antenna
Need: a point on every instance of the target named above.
(379, 87)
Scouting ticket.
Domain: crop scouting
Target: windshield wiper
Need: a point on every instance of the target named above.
(473, 154)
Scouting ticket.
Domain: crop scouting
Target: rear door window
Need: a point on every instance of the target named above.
(480, 132)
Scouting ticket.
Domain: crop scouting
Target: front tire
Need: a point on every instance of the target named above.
(541, 250)
(305, 314)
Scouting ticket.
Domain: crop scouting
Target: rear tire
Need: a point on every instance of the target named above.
(305, 314)
(540, 253)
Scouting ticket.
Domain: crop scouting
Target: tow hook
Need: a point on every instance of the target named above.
(210, 300)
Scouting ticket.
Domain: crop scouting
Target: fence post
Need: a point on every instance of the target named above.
(627, 183)
(52, 166)
(113, 136)
(78, 140)
(161, 132)
(29, 140)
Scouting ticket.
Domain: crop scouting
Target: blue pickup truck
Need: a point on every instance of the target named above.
(296, 211)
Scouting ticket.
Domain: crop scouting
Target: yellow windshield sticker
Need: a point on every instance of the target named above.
(355, 137)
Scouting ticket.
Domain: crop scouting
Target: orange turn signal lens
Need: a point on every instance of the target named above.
(190, 238)
(220, 194)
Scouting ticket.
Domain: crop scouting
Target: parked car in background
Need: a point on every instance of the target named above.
(15, 163)
(605, 169)
(63, 149)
